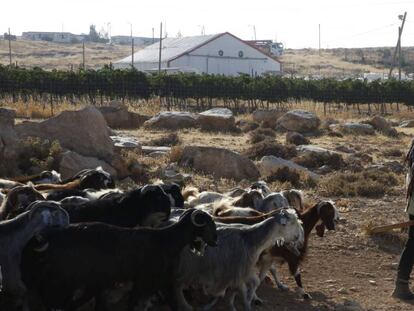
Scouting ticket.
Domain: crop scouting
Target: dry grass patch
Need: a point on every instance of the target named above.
(365, 184)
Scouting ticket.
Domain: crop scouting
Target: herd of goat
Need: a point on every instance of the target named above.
(66, 244)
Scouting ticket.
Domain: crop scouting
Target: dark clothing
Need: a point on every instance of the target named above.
(407, 257)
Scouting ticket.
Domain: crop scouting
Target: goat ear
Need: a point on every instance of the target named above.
(196, 219)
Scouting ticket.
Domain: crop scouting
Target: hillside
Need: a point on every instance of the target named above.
(331, 63)
(343, 62)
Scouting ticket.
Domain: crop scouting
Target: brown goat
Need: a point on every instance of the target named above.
(325, 212)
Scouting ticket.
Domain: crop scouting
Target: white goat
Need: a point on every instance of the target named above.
(231, 265)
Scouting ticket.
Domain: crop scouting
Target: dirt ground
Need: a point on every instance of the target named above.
(347, 269)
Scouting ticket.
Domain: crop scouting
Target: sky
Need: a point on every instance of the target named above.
(351, 23)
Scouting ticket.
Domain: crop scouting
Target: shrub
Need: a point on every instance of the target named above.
(393, 152)
(268, 147)
(366, 184)
(41, 154)
(171, 139)
(260, 134)
(285, 174)
(313, 160)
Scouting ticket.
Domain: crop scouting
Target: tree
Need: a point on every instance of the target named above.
(93, 34)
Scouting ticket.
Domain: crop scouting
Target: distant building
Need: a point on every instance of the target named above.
(126, 40)
(60, 37)
(223, 54)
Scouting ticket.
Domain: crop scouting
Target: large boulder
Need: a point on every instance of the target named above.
(217, 119)
(379, 123)
(221, 163)
(353, 128)
(268, 165)
(267, 117)
(9, 143)
(72, 162)
(312, 156)
(172, 120)
(84, 131)
(117, 116)
(301, 121)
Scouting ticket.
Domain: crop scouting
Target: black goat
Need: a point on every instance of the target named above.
(92, 178)
(148, 205)
(94, 257)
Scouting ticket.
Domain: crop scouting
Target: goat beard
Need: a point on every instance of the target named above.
(198, 247)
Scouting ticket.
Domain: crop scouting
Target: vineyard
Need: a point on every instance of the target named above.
(197, 91)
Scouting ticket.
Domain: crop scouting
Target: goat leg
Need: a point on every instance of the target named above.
(294, 269)
(283, 287)
(183, 305)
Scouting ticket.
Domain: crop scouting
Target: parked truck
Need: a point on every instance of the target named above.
(268, 46)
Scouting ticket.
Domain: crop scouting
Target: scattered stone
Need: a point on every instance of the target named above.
(267, 118)
(9, 143)
(301, 121)
(172, 175)
(121, 142)
(345, 149)
(151, 149)
(296, 138)
(83, 131)
(117, 116)
(407, 123)
(172, 120)
(353, 128)
(354, 289)
(342, 291)
(330, 281)
(379, 123)
(217, 119)
(221, 163)
(270, 164)
(373, 283)
(327, 122)
(72, 162)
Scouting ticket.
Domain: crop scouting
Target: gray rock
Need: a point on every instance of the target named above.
(379, 123)
(122, 142)
(72, 162)
(84, 131)
(117, 116)
(353, 128)
(345, 149)
(9, 143)
(172, 120)
(270, 164)
(217, 119)
(151, 149)
(219, 162)
(407, 123)
(267, 117)
(301, 121)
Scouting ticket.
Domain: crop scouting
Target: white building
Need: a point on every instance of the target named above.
(222, 53)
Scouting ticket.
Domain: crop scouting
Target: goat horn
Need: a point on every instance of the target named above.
(193, 219)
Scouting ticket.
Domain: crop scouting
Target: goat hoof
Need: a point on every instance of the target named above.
(283, 287)
(306, 296)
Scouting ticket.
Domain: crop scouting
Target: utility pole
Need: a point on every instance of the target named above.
(398, 46)
(159, 56)
(319, 39)
(83, 54)
(132, 48)
(399, 55)
(153, 36)
(10, 57)
(254, 30)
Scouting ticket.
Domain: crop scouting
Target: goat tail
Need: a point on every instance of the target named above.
(190, 192)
